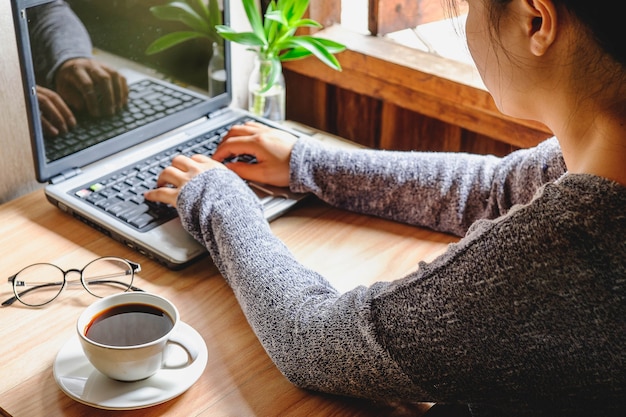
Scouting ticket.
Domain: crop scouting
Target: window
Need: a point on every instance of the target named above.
(419, 24)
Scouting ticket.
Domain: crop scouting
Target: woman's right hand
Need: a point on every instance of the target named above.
(270, 147)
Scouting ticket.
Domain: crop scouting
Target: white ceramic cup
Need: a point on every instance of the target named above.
(135, 362)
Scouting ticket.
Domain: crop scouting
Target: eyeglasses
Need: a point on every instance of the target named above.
(40, 283)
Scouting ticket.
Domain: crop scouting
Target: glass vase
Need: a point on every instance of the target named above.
(266, 89)
(217, 71)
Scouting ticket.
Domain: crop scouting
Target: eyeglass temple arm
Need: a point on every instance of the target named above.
(14, 298)
(110, 281)
(135, 268)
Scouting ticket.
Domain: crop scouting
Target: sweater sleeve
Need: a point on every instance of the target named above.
(57, 35)
(301, 320)
(443, 191)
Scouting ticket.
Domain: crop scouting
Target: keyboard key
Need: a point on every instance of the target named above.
(120, 194)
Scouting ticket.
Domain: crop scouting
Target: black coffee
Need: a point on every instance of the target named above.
(129, 325)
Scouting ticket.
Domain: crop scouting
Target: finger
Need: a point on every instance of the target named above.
(170, 176)
(52, 116)
(120, 89)
(182, 162)
(48, 128)
(253, 123)
(240, 145)
(84, 84)
(247, 129)
(105, 93)
(164, 195)
(200, 158)
(54, 110)
(63, 111)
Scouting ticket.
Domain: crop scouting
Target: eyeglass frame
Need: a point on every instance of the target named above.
(134, 268)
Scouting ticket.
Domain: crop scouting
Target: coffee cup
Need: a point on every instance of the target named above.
(127, 336)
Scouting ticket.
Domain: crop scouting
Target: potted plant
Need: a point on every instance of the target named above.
(274, 40)
(202, 20)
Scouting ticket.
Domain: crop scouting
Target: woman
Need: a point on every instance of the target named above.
(526, 314)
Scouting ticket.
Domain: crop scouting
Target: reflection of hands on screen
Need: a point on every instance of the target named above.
(88, 85)
(56, 116)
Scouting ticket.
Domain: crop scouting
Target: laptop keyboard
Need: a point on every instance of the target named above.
(147, 101)
(121, 194)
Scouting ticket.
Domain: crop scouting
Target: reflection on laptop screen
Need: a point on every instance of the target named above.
(116, 34)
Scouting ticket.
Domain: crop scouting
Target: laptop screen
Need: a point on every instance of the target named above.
(116, 34)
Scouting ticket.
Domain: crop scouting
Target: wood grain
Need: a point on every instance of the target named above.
(240, 379)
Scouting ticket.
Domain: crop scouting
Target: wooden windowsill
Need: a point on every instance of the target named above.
(428, 84)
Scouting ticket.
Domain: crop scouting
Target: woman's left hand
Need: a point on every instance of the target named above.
(174, 177)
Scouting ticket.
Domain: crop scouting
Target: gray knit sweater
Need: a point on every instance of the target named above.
(524, 316)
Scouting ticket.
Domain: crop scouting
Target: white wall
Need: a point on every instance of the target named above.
(242, 59)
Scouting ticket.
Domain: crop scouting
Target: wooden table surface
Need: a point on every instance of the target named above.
(239, 380)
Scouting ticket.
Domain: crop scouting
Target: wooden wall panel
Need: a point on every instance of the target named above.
(404, 129)
(378, 124)
(473, 142)
(354, 116)
(306, 100)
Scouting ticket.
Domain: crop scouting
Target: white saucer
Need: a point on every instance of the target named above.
(81, 381)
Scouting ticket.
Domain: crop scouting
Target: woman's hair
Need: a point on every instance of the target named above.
(601, 20)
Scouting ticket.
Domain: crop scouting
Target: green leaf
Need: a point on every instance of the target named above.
(297, 10)
(171, 39)
(244, 38)
(275, 36)
(182, 12)
(254, 17)
(215, 14)
(204, 10)
(295, 53)
(316, 47)
(277, 16)
(307, 23)
(271, 26)
(332, 46)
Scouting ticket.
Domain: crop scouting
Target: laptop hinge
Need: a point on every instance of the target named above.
(68, 173)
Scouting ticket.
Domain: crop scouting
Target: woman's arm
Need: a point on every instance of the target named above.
(443, 191)
(310, 330)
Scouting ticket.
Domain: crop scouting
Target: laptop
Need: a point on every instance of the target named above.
(99, 173)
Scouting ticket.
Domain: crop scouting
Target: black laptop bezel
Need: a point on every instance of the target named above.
(47, 171)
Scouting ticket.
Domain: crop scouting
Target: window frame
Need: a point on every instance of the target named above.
(431, 85)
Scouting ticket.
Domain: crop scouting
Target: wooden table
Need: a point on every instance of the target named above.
(239, 380)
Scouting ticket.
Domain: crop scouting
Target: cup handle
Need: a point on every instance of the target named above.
(180, 339)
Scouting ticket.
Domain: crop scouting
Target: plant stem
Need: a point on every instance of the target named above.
(265, 68)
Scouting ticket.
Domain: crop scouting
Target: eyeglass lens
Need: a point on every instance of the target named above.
(39, 284)
(106, 276)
